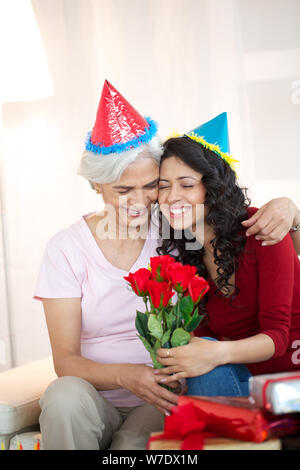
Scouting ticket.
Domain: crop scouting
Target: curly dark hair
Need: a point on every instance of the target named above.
(227, 207)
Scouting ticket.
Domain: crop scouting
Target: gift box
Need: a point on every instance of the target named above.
(218, 443)
(196, 419)
(277, 393)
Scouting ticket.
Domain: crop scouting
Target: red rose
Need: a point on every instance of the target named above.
(180, 275)
(160, 292)
(139, 281)
(159, 265)
(198, 287)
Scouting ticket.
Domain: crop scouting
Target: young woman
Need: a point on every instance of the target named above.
(253, 304)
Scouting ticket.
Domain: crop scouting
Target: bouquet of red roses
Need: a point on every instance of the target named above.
(164, 324)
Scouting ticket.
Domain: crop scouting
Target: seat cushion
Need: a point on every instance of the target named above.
(26, 441)
(20, 391)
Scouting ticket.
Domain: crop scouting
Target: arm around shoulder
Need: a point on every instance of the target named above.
(295, 232)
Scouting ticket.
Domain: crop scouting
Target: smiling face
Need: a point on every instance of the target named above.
(133, 194)
(181, 194)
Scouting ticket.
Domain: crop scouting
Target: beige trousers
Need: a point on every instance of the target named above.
(76, 417)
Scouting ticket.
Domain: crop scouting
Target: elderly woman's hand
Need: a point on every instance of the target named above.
(196, 358)
(140, 380)
(272, 221)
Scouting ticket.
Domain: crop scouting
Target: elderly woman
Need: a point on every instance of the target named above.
(107, 394)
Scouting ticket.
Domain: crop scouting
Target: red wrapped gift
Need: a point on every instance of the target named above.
(196, 418)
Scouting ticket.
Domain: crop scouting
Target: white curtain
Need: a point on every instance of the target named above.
(181, 62)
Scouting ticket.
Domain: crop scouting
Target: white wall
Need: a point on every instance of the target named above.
(180, 61)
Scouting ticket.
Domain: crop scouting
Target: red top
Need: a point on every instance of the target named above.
(268, 302)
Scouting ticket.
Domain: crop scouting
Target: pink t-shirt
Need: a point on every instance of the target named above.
(74, 266)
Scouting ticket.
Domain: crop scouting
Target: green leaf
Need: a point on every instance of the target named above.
(186, 318)
(153, 355)
(141, 324)
(180, 337)
(155, 327)
(150, 349)
(166, 337)
(174, 326)
(160, 316)
(193, 323)
(170, 318)
(178, 313)
(146, 344)
(156, 364)
(186, 305)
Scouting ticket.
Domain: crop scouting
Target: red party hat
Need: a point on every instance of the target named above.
(117, 121)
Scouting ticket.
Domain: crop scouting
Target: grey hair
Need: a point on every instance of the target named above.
(104, 169)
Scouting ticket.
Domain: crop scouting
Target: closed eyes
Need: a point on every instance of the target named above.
(152, 186)
(183, 186)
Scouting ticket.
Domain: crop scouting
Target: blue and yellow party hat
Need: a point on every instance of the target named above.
(215, 131)
(214, 136)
